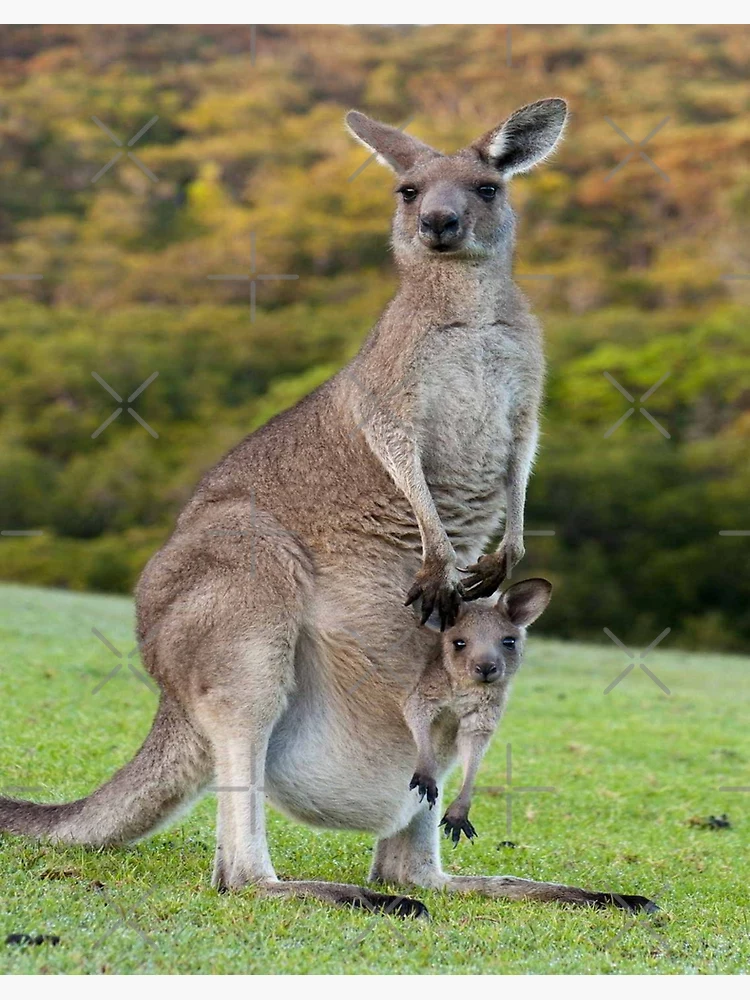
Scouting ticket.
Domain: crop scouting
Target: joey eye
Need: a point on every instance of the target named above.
(509, 642)
(459, 643)
(408, 193)
(487, 191)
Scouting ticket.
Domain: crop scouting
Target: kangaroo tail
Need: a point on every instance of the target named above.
(170, 768)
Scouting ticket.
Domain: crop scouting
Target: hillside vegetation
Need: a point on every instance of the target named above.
(635, 272)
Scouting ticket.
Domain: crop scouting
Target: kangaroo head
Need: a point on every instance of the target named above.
(457, 205)
(486, 643)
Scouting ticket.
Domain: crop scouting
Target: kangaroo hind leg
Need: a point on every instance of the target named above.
(238, 717)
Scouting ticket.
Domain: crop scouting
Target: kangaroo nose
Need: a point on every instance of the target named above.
(439, 222)
(487, 671)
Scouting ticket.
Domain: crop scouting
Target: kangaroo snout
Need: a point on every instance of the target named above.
(487, 672)
(440, 228)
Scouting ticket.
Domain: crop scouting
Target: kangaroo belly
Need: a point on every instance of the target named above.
(318, 779)
(320, 770)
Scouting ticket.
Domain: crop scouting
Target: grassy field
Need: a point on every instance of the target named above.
(630, 769)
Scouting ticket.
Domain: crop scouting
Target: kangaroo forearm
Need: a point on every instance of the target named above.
(517, 480)
(418, 715)
(401, 461)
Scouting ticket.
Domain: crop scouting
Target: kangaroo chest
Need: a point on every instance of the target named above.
(476, 383)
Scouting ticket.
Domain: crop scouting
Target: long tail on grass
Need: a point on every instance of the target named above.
(168, 771)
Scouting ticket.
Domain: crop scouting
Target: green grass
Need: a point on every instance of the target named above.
(630, 769)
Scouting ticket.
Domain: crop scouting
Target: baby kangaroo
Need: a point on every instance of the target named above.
(466, 684)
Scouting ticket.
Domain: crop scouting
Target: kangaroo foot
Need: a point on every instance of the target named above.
(354, 896)
(426, 787)
(389, 905)
(456, 823)
(633, 904)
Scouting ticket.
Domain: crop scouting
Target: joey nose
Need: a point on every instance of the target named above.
(487, 671)
(439, 222)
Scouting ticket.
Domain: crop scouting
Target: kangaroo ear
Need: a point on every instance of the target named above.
(528, 136)
(525, 601)
(393, 148)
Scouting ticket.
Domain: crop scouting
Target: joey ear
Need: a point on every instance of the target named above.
(528, 136)
(393, 148)
(524, 602)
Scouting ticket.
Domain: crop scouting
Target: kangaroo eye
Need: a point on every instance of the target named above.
(509, 642)
(487, 191)
(408, 193)
(459, 643)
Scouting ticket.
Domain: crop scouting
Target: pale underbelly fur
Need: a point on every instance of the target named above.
(317, 774)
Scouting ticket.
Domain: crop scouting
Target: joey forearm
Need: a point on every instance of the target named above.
(472, 745)
(419, 714)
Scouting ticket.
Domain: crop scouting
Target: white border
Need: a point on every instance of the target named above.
(383, 12)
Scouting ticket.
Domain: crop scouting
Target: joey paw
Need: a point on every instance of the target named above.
(455, 825)
(426, 787)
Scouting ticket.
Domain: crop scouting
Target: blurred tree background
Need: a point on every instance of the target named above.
(635, 273)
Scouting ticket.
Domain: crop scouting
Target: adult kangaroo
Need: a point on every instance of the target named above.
(274, 618)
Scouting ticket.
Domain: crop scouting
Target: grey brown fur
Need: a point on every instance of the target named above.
(273, 619)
